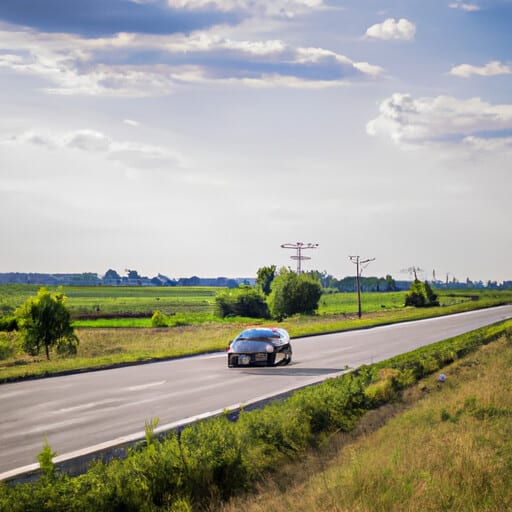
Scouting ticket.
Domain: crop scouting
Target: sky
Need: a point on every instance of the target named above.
(195, 137)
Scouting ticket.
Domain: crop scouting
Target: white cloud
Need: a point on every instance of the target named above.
(72, 65)
(411, 122)
(368, 69)
(490, 145)
(492, 68)
(288, 8)
(87, 140)
(132, 154)
(131, 122)
(393, 29)
(464, 6)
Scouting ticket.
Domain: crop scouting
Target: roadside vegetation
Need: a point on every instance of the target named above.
(116, 325)
(449, 450)
(439, 446)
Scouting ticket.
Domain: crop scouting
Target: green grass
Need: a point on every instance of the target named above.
(111, 300)
(452, 454)
(441, 447)
(114, 341)
(106, 301)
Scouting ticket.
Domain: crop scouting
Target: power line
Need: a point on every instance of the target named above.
(299, 247)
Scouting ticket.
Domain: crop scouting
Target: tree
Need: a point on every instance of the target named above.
(44, 321)
(294, 293)
(420, 295)
(264, 278)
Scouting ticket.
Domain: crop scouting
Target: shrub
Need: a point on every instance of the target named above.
(420, 295)
(8, 345)
(213, 455)
(243, 301)
(294, 293)
(334, 405)
(8, 323)
(159, 319)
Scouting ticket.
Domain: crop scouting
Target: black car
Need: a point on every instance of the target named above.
(260, 346)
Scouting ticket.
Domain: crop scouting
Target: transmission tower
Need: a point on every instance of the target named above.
(299, 247)
(360, 266)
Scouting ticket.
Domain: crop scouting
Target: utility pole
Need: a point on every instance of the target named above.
(299, 247)
(360, 266)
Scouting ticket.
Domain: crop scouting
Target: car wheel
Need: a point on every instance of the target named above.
(287, 358)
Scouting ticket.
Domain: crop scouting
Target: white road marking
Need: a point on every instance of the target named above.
(88, 405)
(145, 386)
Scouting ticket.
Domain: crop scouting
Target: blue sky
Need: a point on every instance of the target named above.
(195, 137)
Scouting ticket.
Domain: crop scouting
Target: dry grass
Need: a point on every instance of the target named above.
(104, 347)
(445, 447)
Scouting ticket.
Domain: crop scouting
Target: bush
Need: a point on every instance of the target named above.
(294, 293)
(159, 319)
(243, 301)
(8, 323)
(8, 345)
(334, 405)
(420, 295)
(213, 456)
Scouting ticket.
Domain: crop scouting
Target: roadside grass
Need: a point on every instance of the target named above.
(415, 462)
(442, 446)
(176, 319)
(101, 348)
(106, 347)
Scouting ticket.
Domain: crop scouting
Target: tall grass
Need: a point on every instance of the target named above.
(451, 449)
(211, 461)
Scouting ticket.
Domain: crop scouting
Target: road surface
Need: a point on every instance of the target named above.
(78, 411)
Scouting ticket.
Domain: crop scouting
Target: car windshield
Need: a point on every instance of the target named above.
(266, 335)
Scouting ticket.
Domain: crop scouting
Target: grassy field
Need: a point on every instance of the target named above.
(106, 302)
(112, 341)
(101, 301)
(442, 447)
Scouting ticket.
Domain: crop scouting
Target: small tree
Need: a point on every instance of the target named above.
(420, 295)
(294, 293)
(44, 321)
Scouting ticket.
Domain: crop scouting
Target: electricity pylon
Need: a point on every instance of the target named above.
(299, 247)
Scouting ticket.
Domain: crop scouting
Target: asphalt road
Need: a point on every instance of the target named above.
(78, 411)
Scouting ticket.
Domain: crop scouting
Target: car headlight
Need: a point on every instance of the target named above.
(269, 349)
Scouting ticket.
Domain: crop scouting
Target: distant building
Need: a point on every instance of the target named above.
(112, 278)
